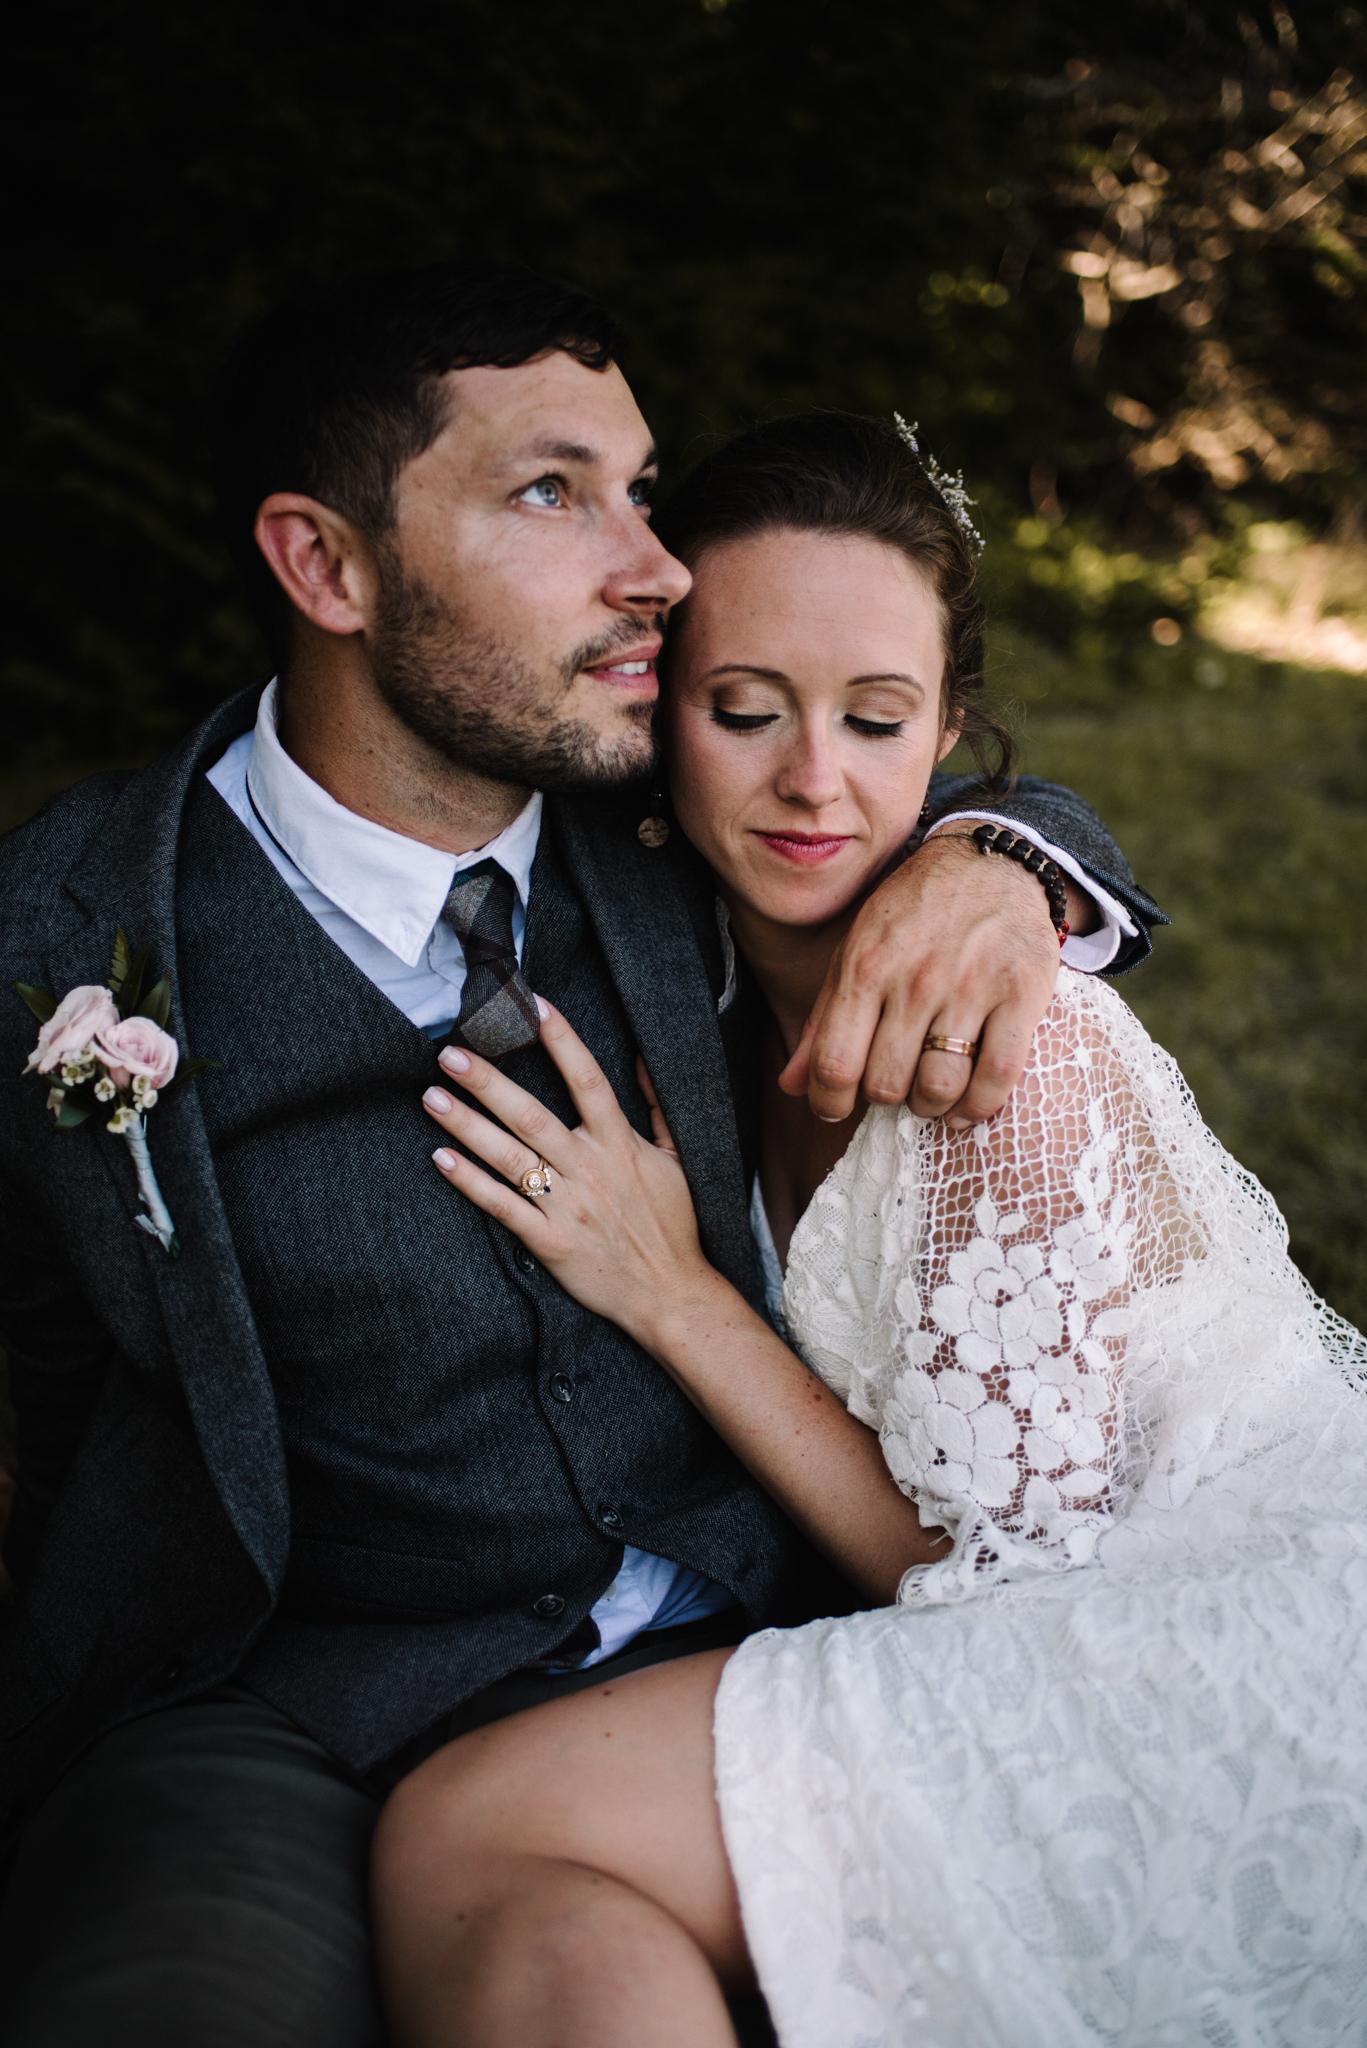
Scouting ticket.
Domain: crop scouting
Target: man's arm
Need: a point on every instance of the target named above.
(959, 945)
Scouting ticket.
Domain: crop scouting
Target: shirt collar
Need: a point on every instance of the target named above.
(393, 887)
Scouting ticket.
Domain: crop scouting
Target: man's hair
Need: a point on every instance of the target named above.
(333, 394)
(838, 473)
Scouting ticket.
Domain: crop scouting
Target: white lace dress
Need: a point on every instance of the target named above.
(1101, 1775)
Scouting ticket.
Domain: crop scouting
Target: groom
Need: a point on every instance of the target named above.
(351, 1474)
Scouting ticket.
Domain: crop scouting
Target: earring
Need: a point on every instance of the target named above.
(654, 830)
(925, 817)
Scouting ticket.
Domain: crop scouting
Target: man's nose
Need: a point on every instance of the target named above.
(648, 578)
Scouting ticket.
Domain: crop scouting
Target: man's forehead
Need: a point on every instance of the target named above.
(550, 410)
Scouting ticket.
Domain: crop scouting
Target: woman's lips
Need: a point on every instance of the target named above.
(805, 850)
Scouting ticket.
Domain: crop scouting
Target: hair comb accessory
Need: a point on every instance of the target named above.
(950, 488)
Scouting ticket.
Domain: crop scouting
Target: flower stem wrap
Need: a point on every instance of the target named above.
(157, 1222)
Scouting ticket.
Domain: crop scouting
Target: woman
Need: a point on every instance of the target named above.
(1098, 1775)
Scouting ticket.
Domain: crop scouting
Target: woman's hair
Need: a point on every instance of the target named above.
(833, 472)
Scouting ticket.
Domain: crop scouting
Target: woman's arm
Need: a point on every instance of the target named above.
(617, 1230)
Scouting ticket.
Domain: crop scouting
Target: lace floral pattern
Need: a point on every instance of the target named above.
(1101, 1776)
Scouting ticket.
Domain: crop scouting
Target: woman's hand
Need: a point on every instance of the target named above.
(616, 1227)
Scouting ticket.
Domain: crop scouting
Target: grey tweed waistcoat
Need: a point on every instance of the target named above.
(467, 1448)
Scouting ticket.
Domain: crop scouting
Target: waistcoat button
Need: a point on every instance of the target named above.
(609, 1518)
(548, 1606)
(523, 1260)
(562, 1386)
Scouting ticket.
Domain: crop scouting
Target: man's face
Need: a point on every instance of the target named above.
(523, 596)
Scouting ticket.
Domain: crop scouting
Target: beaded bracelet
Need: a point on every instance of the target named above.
(997, 839)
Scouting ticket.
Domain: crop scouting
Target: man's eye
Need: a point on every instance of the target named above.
(545, 491)
(742, 721)
(639, 493)
(874, 728)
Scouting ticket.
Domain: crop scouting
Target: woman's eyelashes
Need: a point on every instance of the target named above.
(742, 721)
(755, 721)
(875, 728)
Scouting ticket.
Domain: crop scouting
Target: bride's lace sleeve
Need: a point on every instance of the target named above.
(969, 1296)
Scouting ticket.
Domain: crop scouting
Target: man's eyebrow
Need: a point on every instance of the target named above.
(576, 451)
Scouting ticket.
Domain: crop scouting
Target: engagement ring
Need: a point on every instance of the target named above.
(536, 1180)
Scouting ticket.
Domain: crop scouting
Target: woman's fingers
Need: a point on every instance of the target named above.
(488, 1141)
(525, 1117)
(585, 1079)
(519, 1215)
(658, 1127)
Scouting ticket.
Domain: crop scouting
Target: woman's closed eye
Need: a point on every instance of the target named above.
(875, 728)
(755, 721)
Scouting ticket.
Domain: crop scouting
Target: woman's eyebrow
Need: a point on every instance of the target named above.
(744, 668)
(892, 675)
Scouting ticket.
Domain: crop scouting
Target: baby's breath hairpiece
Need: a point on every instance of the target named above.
(951, 488)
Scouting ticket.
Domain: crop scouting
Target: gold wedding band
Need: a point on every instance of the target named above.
(536, 1181)
(967, 1048)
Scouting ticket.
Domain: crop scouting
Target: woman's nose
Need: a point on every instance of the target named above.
(809, 774)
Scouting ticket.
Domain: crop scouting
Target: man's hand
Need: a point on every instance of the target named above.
(950, 944)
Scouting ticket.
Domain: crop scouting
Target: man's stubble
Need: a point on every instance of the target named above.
(485, 709)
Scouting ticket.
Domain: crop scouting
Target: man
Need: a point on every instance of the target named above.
(351, 1474)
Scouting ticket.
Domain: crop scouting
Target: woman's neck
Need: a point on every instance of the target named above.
(788, 961)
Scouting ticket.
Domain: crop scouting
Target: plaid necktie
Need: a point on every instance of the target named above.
(497, 1009)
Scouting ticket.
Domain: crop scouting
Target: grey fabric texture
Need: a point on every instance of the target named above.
(210, 1467)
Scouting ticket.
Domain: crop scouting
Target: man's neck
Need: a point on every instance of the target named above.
(335, 727)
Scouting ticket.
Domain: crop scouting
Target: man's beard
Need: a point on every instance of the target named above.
(474, 700)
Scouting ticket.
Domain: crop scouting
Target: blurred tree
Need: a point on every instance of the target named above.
(876, 205)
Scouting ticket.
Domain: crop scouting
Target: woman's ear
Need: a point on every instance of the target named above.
(949, 739)
(319, 560)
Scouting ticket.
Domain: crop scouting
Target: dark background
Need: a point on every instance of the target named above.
(1112, 258)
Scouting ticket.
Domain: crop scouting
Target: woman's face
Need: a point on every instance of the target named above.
(803, 716)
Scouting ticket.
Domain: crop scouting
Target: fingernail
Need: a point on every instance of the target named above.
(438, 1099)
(958, 1123)
(543, 1009)
(445, 1159)
(827, 1119)
(454, 1060)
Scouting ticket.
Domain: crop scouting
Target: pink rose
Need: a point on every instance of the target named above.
(137, 1046)
(77, 1019)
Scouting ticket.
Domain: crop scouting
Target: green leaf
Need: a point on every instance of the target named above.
(156, 1004)
(38, 1000)
(187, 1071)
(122, 961)
(131, 994)
(72, 1113)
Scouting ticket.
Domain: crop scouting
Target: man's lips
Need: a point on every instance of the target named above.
(805, 849)
(633, 671)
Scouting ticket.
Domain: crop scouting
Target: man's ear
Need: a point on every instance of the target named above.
(320, 561)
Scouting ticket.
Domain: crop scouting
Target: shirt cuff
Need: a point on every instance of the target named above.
(1089, 952)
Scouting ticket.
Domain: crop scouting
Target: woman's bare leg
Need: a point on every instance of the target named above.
(558, 1880)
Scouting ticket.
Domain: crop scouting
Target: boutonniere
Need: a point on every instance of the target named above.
(110, 1046)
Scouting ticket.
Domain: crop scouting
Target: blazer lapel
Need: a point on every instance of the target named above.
(636, 905)
(128, 878)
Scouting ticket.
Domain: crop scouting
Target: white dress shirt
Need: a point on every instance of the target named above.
(379, 896)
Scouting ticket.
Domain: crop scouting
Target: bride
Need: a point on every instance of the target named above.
(1093, 1766)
